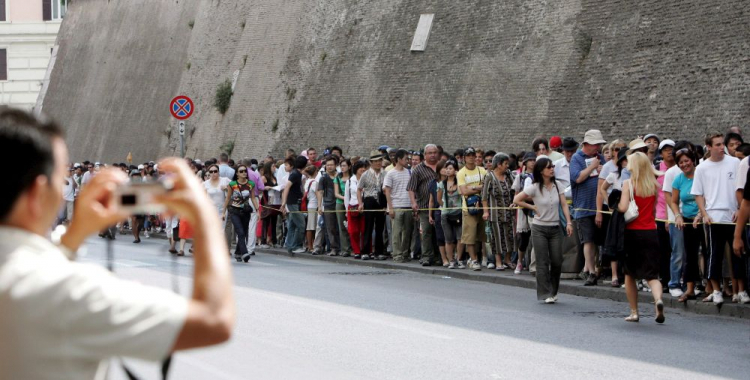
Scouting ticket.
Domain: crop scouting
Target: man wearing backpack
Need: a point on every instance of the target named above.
(470, 179)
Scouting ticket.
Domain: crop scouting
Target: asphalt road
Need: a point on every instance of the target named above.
(305, 319)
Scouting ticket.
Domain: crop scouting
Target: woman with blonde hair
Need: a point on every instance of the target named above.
(641, 239)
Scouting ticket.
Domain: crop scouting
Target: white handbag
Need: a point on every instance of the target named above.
(632, 212)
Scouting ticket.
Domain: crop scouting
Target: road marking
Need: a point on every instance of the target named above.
(354, 315)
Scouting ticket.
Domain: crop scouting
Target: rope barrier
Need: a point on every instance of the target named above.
(460, 208)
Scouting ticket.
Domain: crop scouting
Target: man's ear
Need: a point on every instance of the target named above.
(35, 196)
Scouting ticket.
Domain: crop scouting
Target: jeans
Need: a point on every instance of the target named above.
(252, 230)
(548, 247)
(428, 234)
(240, 221)
(296, 229)
(401, 230)
(332, 228)
(343, 233)
(665, 254)
(677, 261)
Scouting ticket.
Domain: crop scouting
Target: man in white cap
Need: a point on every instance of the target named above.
(584, 175)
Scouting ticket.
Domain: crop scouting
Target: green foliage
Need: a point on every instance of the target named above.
(275, 126)
(191, 24)
(187, 66)
(291, 93)
(227, 147)
(242, 25)
(323, 57)
(583, 42)
(223, 96)
(244, 60)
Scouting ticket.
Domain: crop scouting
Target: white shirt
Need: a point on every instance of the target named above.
(69, 192)
(282, 177)
(65, 320)
(562, 175)
(669, 177)
(87, 176)
(350, 191)
(217, 194)
(717, 182)
(311, 186)
(742, 173)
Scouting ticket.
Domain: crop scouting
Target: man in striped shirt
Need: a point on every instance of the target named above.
(418, 187)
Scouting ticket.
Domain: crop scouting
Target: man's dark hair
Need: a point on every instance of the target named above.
(745, 149)
(223, 157)
(401, 153)
(537, 142)
(336, 147)
(22, 134)
(732, 136)
(331, 158)
(489, 153)
(230, 163)
(290, 161)
(300, 162)
(458, 153)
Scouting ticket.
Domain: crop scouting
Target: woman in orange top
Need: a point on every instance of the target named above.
(641, 239)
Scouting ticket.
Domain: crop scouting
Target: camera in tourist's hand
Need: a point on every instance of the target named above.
(139, 197)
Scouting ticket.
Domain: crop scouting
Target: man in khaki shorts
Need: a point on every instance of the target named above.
(470, 179)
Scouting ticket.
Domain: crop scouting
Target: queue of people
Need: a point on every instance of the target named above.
(652, 214)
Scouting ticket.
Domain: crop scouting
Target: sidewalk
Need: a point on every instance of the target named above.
(571, 287)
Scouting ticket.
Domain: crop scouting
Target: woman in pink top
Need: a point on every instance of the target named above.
(641, 240)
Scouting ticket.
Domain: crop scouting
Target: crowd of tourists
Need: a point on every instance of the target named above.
(644, 213)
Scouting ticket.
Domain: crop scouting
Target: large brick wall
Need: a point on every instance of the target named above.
(322, 72)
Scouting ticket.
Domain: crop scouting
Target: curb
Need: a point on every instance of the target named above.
(569, 287)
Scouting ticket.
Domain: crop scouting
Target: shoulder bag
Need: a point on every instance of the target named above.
(632, 212)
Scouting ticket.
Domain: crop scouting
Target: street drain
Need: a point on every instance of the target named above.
(607, 314)
(381, 273)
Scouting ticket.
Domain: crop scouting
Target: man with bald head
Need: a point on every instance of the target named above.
(418, 187)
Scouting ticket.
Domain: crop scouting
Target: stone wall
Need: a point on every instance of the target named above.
(323, 72)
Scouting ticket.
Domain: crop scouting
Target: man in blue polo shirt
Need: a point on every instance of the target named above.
(585, 167)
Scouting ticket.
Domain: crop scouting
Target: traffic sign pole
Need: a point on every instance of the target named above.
(182, 137)
(181, 108)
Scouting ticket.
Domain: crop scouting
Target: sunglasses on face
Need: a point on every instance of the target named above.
(213, 171)
(242, 171)
(551, 167)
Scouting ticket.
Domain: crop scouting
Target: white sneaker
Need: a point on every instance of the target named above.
(300, 250)
(675, 292)
(460, 264)
(518, 270)
(735, 298)
(476, 266)
(550, 300)
(555, 297)
(490, 266)
(744, 298)
(718, 298)
(145, 233)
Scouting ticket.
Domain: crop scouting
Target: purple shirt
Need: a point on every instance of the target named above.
(255, 177)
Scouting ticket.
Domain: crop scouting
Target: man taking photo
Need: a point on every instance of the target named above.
(62, 319)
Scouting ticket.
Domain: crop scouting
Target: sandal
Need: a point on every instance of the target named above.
(181, 253)
(616, 283)
(172, 250)
(685, 297)
(633, 317)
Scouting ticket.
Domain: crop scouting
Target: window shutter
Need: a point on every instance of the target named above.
(47, 10)
(2, 10)
(3, 64)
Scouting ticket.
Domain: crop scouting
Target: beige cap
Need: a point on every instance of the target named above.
(636, 144)
(593, 137)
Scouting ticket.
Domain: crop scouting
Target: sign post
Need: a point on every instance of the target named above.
(181, 108)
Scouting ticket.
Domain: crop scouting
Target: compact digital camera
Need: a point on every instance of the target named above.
(138, 197)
